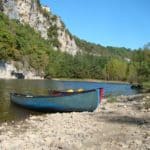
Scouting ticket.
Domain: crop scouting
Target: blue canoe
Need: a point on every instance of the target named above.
(76, 101)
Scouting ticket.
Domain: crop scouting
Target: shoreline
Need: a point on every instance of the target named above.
(69, 79)
(90, 80)
(123, 124)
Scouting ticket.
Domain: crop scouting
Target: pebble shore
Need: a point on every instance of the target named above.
(120, 125)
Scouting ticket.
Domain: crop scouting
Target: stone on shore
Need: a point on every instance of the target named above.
(119, 125)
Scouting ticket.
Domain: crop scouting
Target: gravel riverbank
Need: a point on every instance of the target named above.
(117, 125)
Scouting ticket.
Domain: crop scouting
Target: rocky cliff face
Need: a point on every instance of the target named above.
(50, 26)
(9, 71)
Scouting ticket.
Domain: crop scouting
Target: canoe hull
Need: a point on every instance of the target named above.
(87, 101)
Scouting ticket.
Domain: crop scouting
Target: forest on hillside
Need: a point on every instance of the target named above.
(97, 49)
(21, 43)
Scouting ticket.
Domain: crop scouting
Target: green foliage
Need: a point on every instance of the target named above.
(68, 32)
(116, 69)
(146, 86)
(132, 75)
(45, 13)
(142, 61)
(53, 18)
(112, 99)
(121, 52)
(97, 49)
(21, 43)
(53, 36)
(18, 41)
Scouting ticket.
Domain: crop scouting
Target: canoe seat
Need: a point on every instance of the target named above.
(29, 96)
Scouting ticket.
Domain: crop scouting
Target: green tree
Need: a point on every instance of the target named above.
(132, 75)
(116, 69)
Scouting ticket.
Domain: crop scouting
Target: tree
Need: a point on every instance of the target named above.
(132, 75)
(116, 69)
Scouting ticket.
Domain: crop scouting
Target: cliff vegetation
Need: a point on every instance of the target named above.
(22, 43)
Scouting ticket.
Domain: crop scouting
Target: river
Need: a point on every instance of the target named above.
(9, 111)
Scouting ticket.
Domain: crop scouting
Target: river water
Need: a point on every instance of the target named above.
(9, 111)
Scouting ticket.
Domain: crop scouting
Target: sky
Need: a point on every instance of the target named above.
(118, 23)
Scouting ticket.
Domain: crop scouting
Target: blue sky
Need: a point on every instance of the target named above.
(120, 23)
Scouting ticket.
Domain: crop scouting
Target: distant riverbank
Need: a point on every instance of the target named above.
(89, 80)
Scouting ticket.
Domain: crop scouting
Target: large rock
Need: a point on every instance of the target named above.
(9, 71)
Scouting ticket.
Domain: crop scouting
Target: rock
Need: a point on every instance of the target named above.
(30, 12)
(138, 142)
(114, 128)
(9, 71)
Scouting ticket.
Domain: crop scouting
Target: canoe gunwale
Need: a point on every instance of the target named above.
(51, 96)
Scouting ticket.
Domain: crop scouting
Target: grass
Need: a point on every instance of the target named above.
(112, 99)
(146, 85)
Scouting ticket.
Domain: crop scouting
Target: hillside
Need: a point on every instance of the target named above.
(52, 28)
(31, 39)
(99, 50)
(20, 43)
(23, 46)
(42, 20)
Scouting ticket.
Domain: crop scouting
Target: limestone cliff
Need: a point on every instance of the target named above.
(10, 71)
(42, 20)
